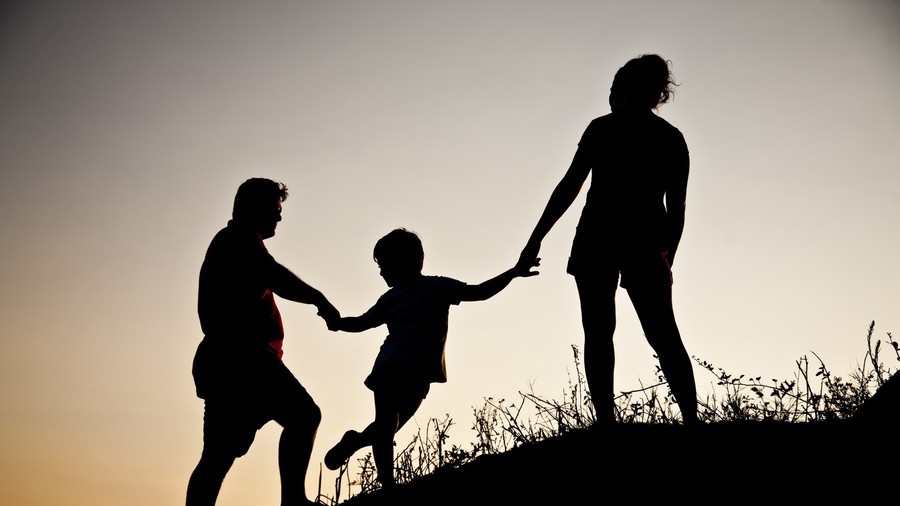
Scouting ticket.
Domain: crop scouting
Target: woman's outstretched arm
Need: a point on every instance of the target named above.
(562, 197)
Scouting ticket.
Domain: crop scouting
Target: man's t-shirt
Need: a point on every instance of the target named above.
(235, 302)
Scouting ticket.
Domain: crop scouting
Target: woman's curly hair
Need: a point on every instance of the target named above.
(645, 82)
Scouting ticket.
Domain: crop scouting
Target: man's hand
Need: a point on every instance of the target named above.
(334, 324)
(330, 314)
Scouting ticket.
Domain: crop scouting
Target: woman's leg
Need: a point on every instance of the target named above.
(598, 318)
(653, 304)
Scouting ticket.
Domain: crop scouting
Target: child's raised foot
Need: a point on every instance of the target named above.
(346, 447)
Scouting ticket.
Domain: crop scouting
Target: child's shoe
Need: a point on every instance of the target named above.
(346, 447)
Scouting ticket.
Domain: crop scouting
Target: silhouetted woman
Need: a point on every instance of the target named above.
(629, 229)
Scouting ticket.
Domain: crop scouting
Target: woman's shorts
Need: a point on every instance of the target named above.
(635, 269)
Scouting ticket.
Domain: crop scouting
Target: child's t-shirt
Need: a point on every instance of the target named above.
(416, 315)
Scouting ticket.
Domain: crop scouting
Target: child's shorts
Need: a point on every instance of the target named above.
(405, 384)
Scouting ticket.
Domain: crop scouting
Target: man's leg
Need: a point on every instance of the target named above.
(294, 450)
(227, 435)
(206, 480)
(299, 416)
(598, 317)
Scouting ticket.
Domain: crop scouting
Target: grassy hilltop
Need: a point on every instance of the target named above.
(816, 436)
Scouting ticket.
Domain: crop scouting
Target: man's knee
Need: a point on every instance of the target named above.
(306, 419)
(227, 435)
(314, 416)
(217, 459)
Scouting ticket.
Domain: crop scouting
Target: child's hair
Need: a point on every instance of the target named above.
(400, 250)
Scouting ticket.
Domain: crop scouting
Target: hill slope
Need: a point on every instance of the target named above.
(721, 463)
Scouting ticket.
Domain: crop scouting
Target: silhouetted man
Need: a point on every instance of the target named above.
(237, 369)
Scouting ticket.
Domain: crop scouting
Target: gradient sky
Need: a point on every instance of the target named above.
(126, 127)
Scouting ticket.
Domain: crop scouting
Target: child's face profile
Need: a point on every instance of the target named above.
(389, 275)
(394, 275)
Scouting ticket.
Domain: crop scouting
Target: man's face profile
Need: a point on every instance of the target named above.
(267, 219)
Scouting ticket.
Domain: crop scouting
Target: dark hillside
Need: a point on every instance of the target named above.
(722, 463)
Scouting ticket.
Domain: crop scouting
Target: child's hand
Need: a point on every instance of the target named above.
(529, 256)
(334, 324)
(523, 269)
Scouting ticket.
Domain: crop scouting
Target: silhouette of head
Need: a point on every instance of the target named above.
(258, 204)
(399, 255)
(643, 83)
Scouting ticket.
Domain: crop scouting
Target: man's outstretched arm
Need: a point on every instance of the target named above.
(288, 285)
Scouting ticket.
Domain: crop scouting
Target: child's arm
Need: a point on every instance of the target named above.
(353, 323)
(493, 286)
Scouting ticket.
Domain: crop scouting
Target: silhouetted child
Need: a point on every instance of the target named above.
(415, 310)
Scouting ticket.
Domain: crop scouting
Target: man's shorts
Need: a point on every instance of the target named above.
(242, 391)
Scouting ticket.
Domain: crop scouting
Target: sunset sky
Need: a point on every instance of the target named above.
(126, 127)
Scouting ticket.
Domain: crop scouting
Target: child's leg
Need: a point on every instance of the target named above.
(392, 410)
